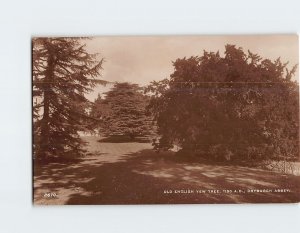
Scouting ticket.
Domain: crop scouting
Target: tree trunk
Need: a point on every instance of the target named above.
(45, 127)
(132, 137)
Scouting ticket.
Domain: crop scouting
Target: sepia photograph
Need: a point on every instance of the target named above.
(203, 119)
(149, 116)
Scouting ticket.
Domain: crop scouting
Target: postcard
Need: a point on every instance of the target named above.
(165, 119)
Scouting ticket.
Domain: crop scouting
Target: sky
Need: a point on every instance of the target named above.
(142, 59)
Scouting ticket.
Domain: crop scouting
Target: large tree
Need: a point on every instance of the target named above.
(63, 72)
(237, 106)
(123, 112)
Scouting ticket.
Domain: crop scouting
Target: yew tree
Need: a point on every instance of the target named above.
(235, 106)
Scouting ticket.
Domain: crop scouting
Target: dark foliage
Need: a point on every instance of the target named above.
(62, 73)
(124, 139)
(123, 112)
(239, 106)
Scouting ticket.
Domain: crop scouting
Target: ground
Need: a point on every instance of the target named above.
(132, 173)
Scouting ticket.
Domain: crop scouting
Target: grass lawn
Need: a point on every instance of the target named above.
(132, 173)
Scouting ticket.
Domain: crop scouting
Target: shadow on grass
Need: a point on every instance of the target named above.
(142, 177)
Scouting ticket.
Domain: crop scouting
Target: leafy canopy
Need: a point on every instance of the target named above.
(236, 106)
(63, 72)
(123, 112)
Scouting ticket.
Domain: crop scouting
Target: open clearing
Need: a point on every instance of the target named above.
(132, 173)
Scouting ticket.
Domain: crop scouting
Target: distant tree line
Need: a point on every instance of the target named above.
(122, 113)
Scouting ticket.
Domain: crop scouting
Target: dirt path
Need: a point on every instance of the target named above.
(132, 173)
